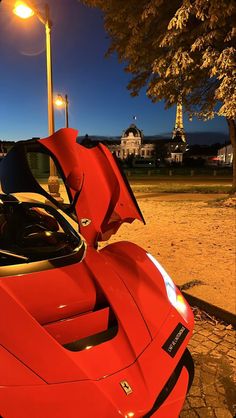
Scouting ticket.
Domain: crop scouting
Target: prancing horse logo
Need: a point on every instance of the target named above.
(85, 221)
(126, 387)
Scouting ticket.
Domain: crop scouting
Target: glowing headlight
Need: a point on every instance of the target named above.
(175, 297)
(171, 293)
(170, 286)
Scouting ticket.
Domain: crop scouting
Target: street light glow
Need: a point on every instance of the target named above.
(59, 101)
(22, 10)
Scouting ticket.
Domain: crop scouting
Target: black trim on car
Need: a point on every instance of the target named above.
(185, 361)
(92, 340)
(174, 341)
(32, 267)
(76, 256)
(16, 175)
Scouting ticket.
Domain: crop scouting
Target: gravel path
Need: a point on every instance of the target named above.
(194, 238)
(212, 394)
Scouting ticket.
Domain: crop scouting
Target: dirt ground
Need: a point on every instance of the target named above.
(193, 237)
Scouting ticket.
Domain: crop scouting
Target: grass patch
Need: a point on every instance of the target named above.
(180, 188)
(173, 186)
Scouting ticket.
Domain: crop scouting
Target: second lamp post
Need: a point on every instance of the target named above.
(63, 101)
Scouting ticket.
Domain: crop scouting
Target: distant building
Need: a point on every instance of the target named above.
(177, 146)
(132, 143)
(178, 131)
(202, 155)
(225, 155)
(132, 146)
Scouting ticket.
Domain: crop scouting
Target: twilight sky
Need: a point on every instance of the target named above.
(99, 102)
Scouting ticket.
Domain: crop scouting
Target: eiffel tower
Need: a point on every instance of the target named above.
(178, 132)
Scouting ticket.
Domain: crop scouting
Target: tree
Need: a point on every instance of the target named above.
(178, 49)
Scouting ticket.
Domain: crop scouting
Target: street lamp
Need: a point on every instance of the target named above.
(25, 10)
(63, 101)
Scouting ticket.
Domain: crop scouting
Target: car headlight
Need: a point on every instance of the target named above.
(175, 297)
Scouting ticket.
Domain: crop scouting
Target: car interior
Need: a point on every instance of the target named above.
(31, 232)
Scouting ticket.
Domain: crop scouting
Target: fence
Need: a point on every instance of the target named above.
(224, 172)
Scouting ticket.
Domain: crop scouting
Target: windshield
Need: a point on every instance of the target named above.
(34, 232)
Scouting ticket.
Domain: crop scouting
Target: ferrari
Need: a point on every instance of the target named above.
(86, 330)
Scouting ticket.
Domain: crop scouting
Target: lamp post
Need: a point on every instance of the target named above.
(26, 10)
(63, 101)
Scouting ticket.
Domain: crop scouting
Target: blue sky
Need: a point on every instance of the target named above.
(99, 102)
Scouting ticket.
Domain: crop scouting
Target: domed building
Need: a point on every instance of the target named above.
(132, 143)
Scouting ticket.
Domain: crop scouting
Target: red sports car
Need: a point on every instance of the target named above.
(84, 332)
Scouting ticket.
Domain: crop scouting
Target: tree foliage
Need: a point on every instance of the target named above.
(177, 47)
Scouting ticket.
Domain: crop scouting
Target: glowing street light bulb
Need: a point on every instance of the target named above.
(22, 10)
(59, 101)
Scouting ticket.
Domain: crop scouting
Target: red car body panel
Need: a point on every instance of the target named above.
(117, 291)
(131, 339)
(103, 195)
(104, 396)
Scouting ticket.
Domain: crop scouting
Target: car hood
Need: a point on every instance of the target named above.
(100, 196)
